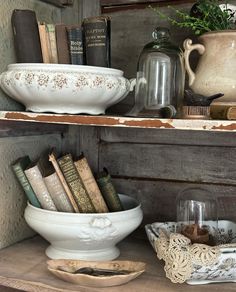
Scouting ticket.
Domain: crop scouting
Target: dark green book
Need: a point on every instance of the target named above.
(75, 43)
(75, 184)
(19, 167)
(108, 192)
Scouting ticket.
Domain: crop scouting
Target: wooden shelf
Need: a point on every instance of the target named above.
(23, 266)
(120, 121)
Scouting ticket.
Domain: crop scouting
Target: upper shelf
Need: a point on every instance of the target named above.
(120, 121)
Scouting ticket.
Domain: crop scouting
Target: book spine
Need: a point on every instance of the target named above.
(18, 169)
(75, 41)
(52, 158)
(26, 36)
(108, 191)
(62, 44)
(90, 185)
(44, 41)
(97, 38)
(57, 193)
(52, 40)
(36, 180)
(71, 175)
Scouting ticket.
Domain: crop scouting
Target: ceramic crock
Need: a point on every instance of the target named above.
(216, 69)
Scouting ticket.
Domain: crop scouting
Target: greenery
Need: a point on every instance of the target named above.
(209, 17)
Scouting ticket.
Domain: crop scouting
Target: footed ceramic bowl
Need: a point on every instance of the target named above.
(72, 89)
(85, 236)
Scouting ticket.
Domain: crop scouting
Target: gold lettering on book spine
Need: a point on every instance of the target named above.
(75, 184)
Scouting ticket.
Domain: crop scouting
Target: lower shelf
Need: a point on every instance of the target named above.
(23, 266)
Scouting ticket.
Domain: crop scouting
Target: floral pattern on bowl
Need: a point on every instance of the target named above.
(70, 89)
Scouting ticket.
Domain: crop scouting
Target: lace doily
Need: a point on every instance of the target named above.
(180, 255)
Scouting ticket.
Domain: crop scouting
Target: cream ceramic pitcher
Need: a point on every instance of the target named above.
(216, 69)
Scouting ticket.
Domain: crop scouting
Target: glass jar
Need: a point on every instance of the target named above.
(197, 215)
(160, 78)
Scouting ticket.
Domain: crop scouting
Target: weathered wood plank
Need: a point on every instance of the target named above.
(162, 136)
(158, 198)
(11, 129)
(89, 145)
(88, 10)
(168, 162)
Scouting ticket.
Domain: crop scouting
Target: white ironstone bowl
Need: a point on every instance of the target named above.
(72, 89)
(85, 236)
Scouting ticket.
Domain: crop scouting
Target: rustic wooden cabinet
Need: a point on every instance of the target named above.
(150, 159)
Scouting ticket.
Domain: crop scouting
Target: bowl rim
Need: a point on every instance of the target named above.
(67, 68)
(68, 214)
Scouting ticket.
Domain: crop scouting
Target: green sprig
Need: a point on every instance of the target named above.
(211, 18)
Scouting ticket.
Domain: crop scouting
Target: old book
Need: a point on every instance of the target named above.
(44, 41)
(36, 180)
(26, 36)
(63, 53)
(53, 159)
(223, 111)
(97, 38)
(50, 28)
(108, 191)
(58, 193)
(90, 184)
(19, 167)
(75, 41)
(75, 184)
(53, 183)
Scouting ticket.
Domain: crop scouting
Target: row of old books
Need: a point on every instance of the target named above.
(64, 185)
(35, 41)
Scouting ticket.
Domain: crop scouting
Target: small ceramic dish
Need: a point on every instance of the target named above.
(69, 270)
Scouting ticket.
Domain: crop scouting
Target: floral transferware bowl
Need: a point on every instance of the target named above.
(75, 272)
(85, 236)
(72, 89)
(195, 263)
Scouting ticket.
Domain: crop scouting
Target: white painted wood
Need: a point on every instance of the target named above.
(127, 122)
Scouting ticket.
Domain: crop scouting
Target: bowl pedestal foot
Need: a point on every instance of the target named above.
(90, 255)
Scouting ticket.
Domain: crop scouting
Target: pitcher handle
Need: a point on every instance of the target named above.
(188, 48)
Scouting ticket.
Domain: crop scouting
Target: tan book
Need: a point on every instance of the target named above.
(53, 159)
(50, 28)
(58, 193)
(75, 184)
(35, 178)
(44, 41)
(90, 184)
(223, 111)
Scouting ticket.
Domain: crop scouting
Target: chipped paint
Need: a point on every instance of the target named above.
(114, 121)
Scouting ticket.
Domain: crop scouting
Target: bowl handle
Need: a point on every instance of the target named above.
(132, 84)
(100, 222)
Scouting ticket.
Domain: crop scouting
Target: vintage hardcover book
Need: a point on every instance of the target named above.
(53, 159)
(58, 193)
(19, 167)
(97, 39)
(90, 184)
(63, 53)
(108, 191)
(26, 36)
(75, 41)
(36, 180)
(76, 186)
(50, 28)
(44, 41)
(223, 111)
